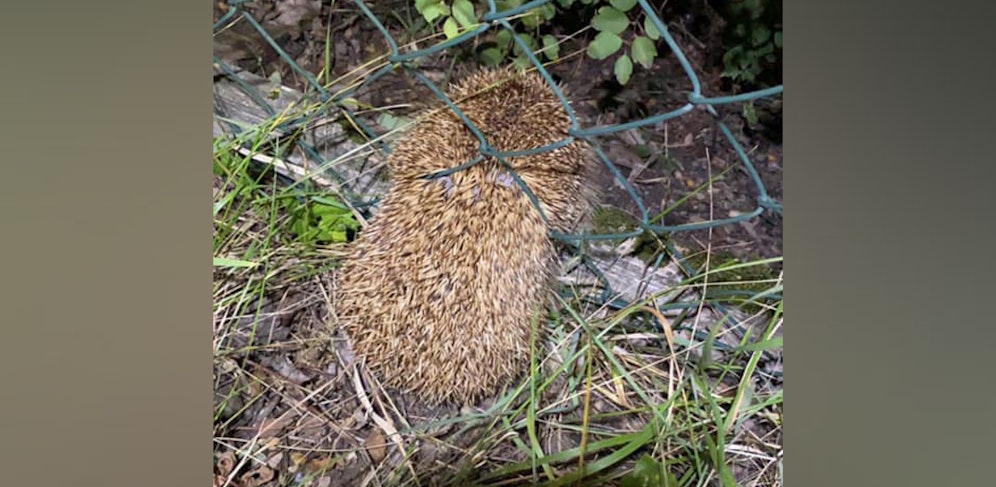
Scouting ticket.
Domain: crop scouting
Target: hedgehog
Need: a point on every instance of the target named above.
(439, 292)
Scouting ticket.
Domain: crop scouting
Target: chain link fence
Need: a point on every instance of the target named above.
(330, 101)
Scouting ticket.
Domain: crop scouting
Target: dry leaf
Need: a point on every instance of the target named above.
(257, 477)
(275, 460)
(376, 445)
(322, 464)
(311, 427)
(286, 369)
(292, 13)
(297, 458)
(272, 426)
(225, 464)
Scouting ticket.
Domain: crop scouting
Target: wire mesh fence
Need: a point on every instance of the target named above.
(328, 100)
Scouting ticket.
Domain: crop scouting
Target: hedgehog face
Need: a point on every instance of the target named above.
(514, 112)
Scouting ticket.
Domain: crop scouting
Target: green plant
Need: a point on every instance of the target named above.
(750, 114)
(321, 220)
(307, 217)
(612, 20)
(648, 472)
(754, 32)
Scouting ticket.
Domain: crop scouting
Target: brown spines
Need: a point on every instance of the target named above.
(440, 289)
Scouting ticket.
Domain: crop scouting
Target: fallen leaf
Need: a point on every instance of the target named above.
(225, 464)
(291, 13)
(322, 464)
(275, 460)
(376, 445)
(257, 477)
(311, 427)
(270, 427)
(286, 369)
(297, 458)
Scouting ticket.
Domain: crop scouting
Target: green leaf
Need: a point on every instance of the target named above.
(778, 39)
(224, 201)
(604, 45)
(550, 47)
(528, 40)
(755, 7)
(652, 32)
(492, 56)
(331, 202)
(548, 11)
(350, 103)
(750, 113)
(532, 18)
(503, 38)
(326, 211)
(390, 122)
(434, 11)
(623, 69)
(611, 20)
(644, 51)
(565, 3)
(623, 5)
(463, 12)
(226, 262)
(760, 35)
(450, 28)
(740, 31)
(522, 62)
(773, 343)
(507, 4)
(733, 54)
(646, 473)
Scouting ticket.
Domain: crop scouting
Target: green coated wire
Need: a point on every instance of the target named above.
(494, 19)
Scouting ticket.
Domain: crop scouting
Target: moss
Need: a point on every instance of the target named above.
(609, 220)
(745, 275)
(649, 247)
(352, 133)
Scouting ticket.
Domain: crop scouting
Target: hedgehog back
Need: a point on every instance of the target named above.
(440, 290)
